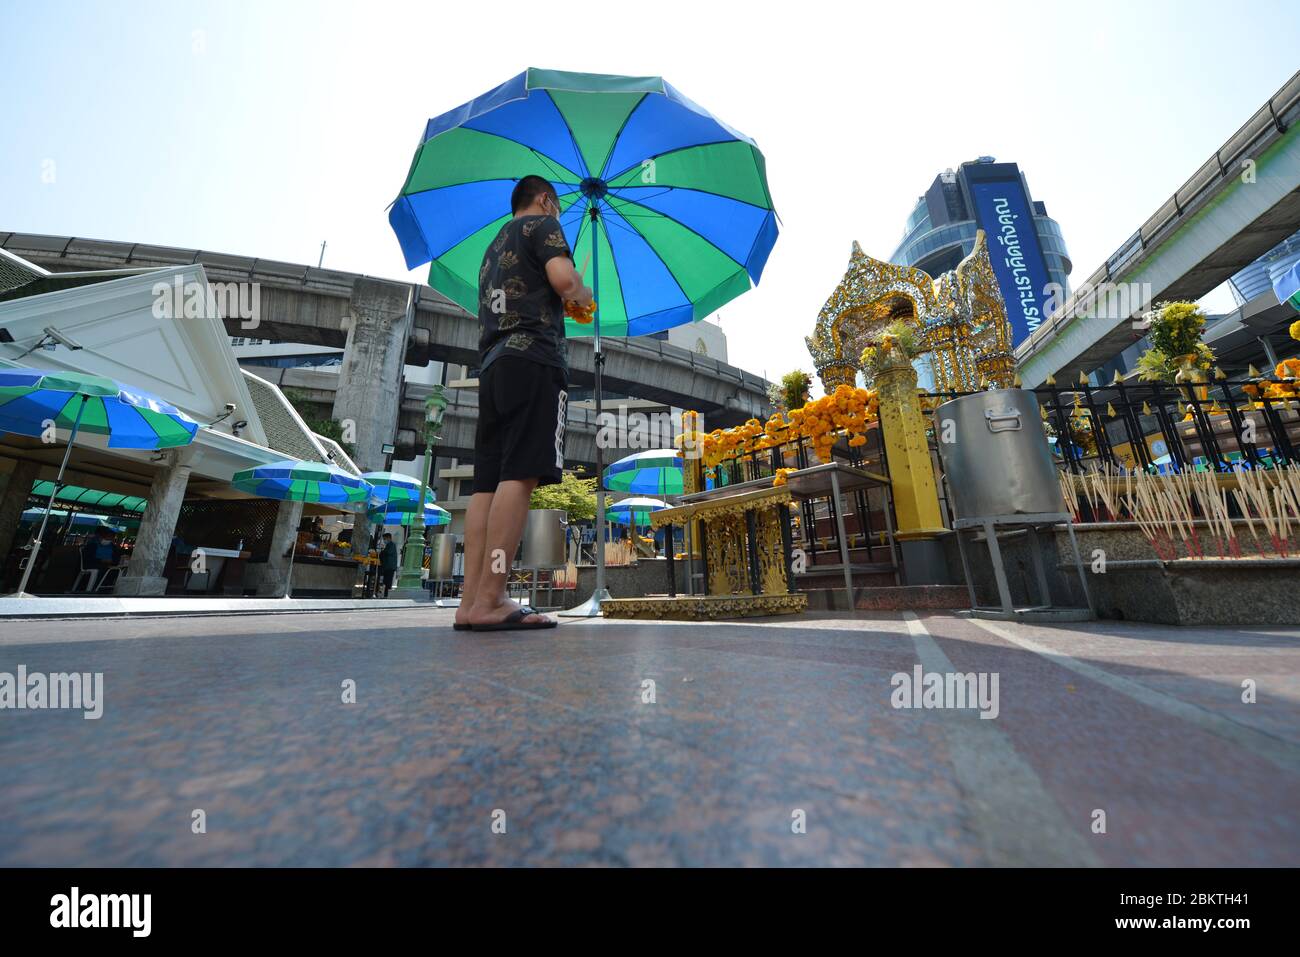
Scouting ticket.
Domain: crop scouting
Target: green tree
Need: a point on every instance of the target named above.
(572, 495)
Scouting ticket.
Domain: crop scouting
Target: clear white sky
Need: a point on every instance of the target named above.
(262, 128)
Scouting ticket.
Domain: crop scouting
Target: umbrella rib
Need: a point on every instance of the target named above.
(617, 193)
(613, 144)
(549, 162)
(649, 245)
(673, 219)
(740, 267)
(584, 172)
(692, 146)
(567, 176)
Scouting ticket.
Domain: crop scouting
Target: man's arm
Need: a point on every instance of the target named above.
(566, 281)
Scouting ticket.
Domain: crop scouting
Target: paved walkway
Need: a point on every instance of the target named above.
(755, 726)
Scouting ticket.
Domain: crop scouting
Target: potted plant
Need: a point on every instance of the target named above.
(1177, 354)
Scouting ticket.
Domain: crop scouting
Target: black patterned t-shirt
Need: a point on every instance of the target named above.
(521, 314)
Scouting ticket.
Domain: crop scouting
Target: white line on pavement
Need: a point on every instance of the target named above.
(1284, 754)
(1018, 821)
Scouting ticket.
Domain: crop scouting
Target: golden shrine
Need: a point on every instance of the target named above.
(745, 537)
(959, 319)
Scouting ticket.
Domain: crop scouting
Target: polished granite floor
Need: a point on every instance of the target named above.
(768, 742)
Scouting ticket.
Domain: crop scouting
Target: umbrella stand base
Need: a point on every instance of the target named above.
(589, 608)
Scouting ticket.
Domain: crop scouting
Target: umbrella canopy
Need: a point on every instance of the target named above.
(1286, 285)
(434, 516)
(80, 519)
(301, 481)
(657, 472)
(130, 417)
(394, 486)
(95, 498)
(634, 511)
(670, 204)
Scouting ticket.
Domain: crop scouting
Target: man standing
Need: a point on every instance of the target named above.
(388, 562)
(526, 277)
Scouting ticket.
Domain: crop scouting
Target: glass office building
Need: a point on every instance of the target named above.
(941, 230)
(1257, 278)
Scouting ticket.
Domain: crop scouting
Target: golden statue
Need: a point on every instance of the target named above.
(960, 320)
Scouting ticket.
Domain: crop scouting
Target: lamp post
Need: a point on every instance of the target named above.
(409, 584)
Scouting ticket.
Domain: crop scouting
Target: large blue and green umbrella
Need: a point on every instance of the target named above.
(298, 480)
(34, 400)
(670, 203)
(634, 511)
(81, 402)
(656, 472)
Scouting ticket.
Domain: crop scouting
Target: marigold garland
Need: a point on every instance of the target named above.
(846, 411)
(583, 315)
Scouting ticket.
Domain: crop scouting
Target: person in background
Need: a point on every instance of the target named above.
(101, 551)
(387, 562)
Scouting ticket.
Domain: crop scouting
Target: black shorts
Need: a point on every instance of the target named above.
(520, 434)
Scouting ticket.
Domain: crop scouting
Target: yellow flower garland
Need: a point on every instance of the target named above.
(846, 411)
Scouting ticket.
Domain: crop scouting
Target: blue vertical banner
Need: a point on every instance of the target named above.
(1004, 213)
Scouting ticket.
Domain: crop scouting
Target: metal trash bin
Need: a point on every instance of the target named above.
(442, 553)
(544, 538)
(996, 456)
(1002, 482)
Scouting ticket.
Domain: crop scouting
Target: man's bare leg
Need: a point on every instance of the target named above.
(505, 526)
(476, 529)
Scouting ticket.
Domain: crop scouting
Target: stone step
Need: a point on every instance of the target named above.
(889, 597)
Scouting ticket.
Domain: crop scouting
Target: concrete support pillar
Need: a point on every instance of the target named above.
(146, 575)
(370, 380)
(279, 563)
(13, 501)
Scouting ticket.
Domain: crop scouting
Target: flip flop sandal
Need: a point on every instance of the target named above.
(459, 626)
(515, 622)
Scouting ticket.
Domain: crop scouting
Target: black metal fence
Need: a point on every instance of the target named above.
(1161, 428)
(817, 524)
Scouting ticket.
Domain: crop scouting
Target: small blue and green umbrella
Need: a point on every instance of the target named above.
(657, 472)
(398, 514)
(393, 486)
(297, 480)
(634, 511)
(34, 400)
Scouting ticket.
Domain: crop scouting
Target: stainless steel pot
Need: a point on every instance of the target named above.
(996, 456)
(543, 542)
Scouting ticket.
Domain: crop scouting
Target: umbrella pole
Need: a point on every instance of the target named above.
(591, 607)
(288, 576)
(58, 483)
